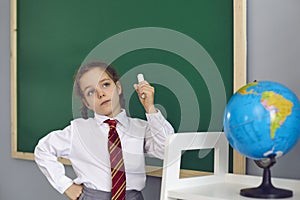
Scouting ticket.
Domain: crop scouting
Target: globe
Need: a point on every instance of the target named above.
(262, 119)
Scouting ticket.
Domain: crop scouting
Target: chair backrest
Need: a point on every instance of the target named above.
(188, 141)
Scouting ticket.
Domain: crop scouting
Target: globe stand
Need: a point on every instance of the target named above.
(266, 189)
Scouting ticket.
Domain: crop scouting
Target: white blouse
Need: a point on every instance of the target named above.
(84, 143)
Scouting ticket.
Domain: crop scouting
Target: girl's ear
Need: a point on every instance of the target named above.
(119, 87)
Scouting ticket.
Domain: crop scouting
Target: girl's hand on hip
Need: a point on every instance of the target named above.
(74, 191)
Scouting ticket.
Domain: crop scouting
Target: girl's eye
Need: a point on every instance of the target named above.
(90, 93)
(106, 84)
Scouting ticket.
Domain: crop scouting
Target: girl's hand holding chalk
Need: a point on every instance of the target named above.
(146, 94)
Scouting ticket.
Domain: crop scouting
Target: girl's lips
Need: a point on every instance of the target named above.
(104, 102)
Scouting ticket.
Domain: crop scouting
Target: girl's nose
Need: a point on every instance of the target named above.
(100, 93)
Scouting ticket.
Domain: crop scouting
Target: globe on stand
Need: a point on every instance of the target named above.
(262, 122)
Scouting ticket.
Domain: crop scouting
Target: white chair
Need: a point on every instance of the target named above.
(188, 141)
(220, 185)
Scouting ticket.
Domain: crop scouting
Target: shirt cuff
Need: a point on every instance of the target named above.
(64, 183)
(155, 116)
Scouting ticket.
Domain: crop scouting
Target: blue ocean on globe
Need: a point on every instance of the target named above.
(262, 119)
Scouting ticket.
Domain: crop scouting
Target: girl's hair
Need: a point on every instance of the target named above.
(111, 72)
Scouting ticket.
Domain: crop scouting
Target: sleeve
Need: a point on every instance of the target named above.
(157, 131)
(54, 145)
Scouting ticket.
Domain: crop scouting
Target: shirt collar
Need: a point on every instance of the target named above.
(121, 118)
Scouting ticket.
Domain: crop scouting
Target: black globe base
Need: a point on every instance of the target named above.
(266, 190)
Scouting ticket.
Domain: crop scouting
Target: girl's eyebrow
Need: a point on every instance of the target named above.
(105, 79)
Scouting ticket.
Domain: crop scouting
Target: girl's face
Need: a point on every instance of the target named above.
(101, 93)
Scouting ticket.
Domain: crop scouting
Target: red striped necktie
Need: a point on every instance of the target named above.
(116, 162)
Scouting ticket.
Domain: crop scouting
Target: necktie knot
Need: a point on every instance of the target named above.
(111, 123)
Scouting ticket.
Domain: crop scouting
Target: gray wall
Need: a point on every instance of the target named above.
(273, 54)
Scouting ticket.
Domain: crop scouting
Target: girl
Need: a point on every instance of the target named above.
(85, 141)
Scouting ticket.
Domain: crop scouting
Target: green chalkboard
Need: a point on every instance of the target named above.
(184, 48)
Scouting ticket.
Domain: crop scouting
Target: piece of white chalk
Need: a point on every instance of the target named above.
(140, 78)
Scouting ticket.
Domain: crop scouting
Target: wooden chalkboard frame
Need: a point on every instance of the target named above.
(239, 76)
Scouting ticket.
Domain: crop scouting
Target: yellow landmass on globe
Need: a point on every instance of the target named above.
(243, 90)
(279, 107)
